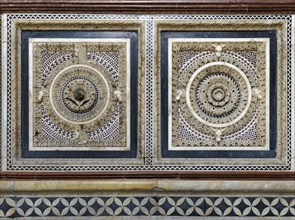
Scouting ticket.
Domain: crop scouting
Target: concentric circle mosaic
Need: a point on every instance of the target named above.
(218, 95)
(79, 94)
(82, 99)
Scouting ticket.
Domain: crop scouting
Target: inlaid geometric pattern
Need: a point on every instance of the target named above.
(115, 93)
(80, 98)
(67, 109)
(76, 92)
(67, 206)
(221, 92)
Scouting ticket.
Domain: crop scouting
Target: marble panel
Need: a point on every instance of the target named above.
(76, 94)
(67, 109)
(221, 92)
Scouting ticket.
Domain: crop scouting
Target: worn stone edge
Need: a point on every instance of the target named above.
(157, 186)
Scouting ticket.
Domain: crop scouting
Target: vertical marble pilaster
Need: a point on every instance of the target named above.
(3, 93)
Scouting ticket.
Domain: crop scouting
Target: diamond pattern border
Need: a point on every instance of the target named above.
(147, 206)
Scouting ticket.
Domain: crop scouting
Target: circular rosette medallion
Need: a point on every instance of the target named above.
(219, 95)
(80, 94)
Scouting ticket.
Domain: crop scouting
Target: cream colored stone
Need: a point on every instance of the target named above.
(94, 71)
(3, 68)
(208, 25)
(36, 41)
(214, 187)
(196, 187)
(84, 185)
(6, 186)
(187, 94)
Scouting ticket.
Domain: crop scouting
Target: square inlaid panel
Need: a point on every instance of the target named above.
(217, 95)
(80, 99)
(221, 92)
(76, 93)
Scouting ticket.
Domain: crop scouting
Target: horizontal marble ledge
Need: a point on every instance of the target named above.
(150, 186)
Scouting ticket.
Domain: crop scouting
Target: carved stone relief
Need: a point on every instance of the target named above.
(146, 93)
(218, 89)
(77, 93)
(80, 94)
(219, 97)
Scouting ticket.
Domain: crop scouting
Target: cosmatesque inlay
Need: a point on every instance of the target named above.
(140, 92)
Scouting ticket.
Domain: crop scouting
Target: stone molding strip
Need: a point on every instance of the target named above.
(203, 187)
